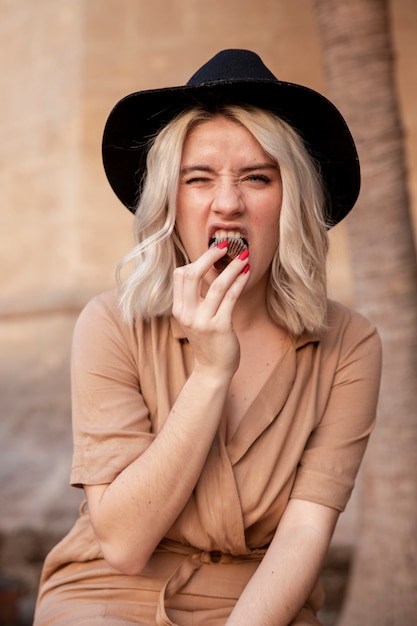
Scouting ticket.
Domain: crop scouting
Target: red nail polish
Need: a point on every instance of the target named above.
(223, 244)
(246, 269)
(244, 255)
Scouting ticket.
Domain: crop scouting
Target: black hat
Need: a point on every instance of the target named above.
(240, 77)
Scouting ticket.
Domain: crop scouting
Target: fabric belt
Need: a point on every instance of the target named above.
(193, 560)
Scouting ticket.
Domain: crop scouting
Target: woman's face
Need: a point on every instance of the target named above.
(229, 185)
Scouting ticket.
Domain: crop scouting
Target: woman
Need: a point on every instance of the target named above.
(221, 404)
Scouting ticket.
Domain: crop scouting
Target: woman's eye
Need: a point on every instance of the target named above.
(196, 180)
(259, 178)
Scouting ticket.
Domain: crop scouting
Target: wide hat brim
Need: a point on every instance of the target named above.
(138, 117)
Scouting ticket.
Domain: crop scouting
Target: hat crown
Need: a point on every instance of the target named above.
(230, 66)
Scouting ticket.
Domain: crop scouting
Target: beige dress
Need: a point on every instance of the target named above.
(303, 436)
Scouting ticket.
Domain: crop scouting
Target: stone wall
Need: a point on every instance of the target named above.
(64, 64)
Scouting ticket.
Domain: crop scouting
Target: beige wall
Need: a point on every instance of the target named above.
(63, 66)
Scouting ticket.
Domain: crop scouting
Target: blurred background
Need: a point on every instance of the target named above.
(64, 64)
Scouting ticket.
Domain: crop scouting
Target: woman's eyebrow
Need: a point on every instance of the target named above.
(196, 168)
(258, 166)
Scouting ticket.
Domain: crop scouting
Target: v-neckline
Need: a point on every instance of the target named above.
(264, 407)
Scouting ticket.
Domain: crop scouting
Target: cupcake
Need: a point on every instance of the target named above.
(236, 245)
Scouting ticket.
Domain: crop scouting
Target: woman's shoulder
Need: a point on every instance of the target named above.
(100, 311)
(103, 313)
(340, 315)
(104, 303)
(348, 326)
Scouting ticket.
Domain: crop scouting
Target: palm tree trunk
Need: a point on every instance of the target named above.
(359, 65)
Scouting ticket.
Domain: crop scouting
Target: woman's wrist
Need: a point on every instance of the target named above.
(212, 377)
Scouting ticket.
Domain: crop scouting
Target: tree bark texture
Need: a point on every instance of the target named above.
(360, 70)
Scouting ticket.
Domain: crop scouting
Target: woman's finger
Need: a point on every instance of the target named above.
(190, 307)
(227, 287)
(204, 263)
(188, 279)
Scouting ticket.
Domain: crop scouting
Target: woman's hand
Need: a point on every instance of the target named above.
(207, 320)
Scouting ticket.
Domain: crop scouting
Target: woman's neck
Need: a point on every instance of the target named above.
(251, 310)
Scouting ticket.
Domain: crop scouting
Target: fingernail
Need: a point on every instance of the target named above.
(223, 244)
(244, 255)
(246, 269)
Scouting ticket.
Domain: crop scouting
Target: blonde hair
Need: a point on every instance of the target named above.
(297, 290)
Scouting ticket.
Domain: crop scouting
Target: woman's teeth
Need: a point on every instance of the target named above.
(237, 244)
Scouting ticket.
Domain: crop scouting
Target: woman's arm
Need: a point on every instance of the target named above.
(289, 570)
(132, 514)
(327, 469)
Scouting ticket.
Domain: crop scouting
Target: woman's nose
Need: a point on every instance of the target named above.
(228, 199)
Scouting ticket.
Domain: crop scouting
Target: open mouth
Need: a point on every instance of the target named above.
(237, 244)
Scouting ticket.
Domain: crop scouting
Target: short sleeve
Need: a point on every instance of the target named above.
(334, 451)
(111, 425)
